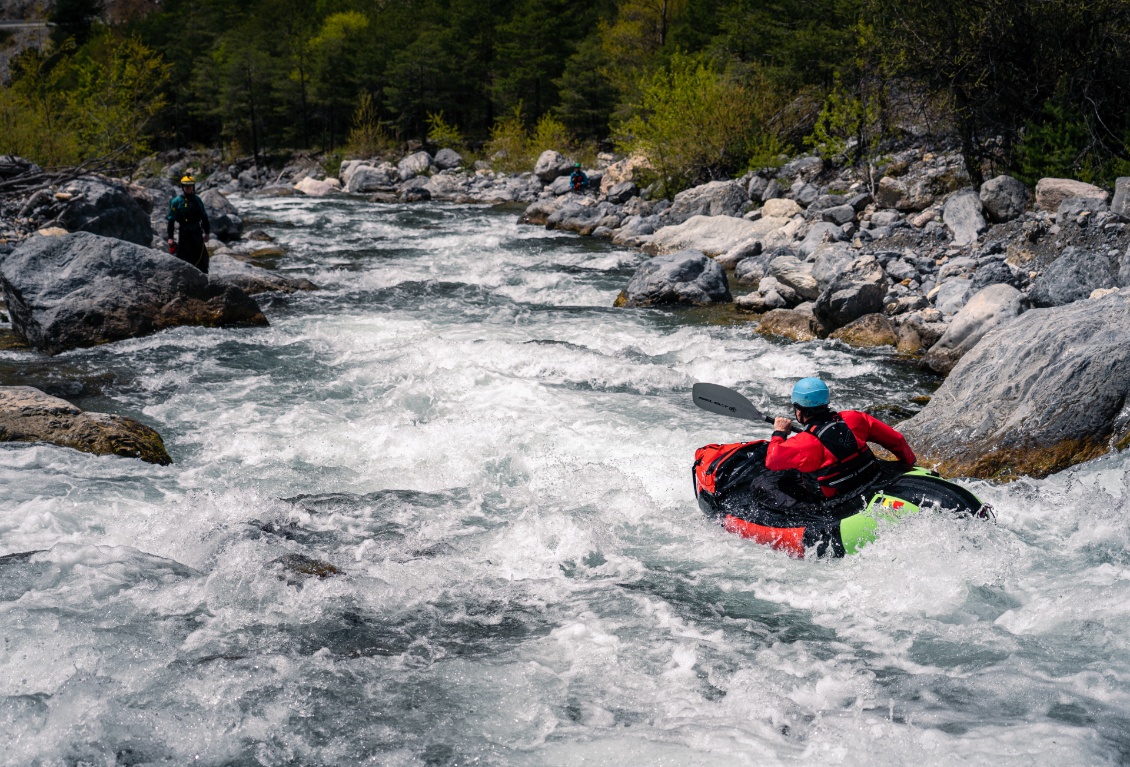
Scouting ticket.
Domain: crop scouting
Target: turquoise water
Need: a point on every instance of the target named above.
(499, 464)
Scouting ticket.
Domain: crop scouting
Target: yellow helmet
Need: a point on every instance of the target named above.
(188, 179)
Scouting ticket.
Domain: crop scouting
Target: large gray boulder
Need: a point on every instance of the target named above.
(1074, 276)
(796, 274)
(82, 290)
(951, 295)
(903, 195)
(715, 235)
(820, 234)
(1120, 205)
(717, 198)
(446, 159)
(251, 279)
(222, 216)
(962, 214)
(984, 312)
(100, 206)
(414, 165)
(1004, 198)
(622, 192)
(366, 179)
(1050, 192)
(688, 277)
(552, 165)
(831, 261)
(857, 290)
(1039, 393)
(29, 415)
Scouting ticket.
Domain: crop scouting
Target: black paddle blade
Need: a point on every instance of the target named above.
(723, 401)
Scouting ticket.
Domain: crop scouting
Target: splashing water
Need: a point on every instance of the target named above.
(498, 463)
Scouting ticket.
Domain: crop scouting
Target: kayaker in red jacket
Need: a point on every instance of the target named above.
(833, 446)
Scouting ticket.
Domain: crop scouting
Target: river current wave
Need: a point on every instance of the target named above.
(498, 463)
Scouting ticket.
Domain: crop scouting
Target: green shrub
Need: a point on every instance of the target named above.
(692, 123)
(368, 137)
(442, 133)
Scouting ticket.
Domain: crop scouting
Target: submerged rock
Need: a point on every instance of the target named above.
(688, 277)
(29, 415)
(83, 290)
(252, 279)
(1039, 393)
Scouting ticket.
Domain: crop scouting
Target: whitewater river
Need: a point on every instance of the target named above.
(499, 464)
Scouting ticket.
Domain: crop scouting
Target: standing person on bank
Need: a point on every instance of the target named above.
(187, 211)
(833, 446)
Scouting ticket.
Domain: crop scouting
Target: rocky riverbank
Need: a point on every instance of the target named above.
(908, 256)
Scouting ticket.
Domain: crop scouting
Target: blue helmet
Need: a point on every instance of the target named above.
(811, 392)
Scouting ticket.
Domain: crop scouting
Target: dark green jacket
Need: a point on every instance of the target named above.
(189, 212)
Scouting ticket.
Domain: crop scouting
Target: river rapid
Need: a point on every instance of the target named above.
(499, 464)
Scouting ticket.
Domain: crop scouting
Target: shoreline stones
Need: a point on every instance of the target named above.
(29, 415)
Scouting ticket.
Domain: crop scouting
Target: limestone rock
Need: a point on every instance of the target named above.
(366, 179)
(1039, 393)
(620, 193)
(1073, 207)
(830, 262)
(1050, 192)
(951, 295)
(446, 159)
(790, 323)
(83, 290)
(868, 331)
(820, 234)
(311, 187)
(985, 311)
(1074, 276)
(780, 208)
(716, 198)
(29, 415)
(688, 277)
(795, 274)
(1004, 198)
(414, 165)
(857, 291)
(962, 214)
(100, 206)
(715, 235)
(552, 165)
(1120, 205)
(627, 169)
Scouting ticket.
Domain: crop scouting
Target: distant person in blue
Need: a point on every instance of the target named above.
(578, 181)
(187, 211)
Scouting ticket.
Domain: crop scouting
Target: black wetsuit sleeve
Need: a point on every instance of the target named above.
(172, 219)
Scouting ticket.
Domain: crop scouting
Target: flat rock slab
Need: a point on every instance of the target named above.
(715, 235)
(1039, 393)
(29, 415)
(82, 290)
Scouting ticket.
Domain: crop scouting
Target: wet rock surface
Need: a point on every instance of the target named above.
(82, 290)
(688, 277)
(1041, 392)
(29, 415)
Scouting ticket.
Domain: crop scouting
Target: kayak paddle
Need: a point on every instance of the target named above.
(725, 401)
